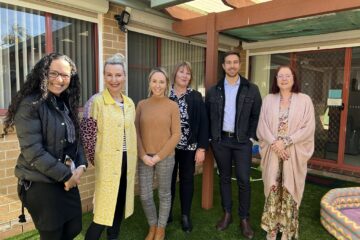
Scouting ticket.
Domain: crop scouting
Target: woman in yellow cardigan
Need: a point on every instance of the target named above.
(109, 137)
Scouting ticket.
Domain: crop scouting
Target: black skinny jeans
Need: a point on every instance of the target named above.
(68, 231)
(95, 230)
(227, 151)
(185, 163)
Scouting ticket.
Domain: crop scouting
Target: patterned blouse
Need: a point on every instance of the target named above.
(184, 120)
(283, 127)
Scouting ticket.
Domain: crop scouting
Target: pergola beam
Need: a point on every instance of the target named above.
(160, 4)
(268, 12)
(180, 13)
(238, 3)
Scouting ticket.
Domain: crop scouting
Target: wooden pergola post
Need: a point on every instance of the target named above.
(212, 37)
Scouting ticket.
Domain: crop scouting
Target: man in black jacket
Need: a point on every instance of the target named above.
(233, 106)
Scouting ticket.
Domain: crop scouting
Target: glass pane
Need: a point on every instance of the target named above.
(173, 52)
(263, 70)
(352, 140)
(318, 72)
(142, 59)
(22, 44)
(75, 38)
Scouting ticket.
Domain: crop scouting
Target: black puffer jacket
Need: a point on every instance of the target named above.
(248, 105)
(41, 131)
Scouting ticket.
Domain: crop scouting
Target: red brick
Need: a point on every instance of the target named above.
(110, 37)
(11, 137)
(4, 209)
(12, 189)
(28, 226)
(10, 172)
(9, 145)
(110, 22)
(2, 173)
(3, 191)
(107, 29)
(14, 206)
(2, 155)
(8, 181)
(9, 216)
(7, 163)
(107, 43)
(11, 232)
(12, 154)
(10, 198)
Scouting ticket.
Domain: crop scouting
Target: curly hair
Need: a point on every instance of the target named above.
(36, 83)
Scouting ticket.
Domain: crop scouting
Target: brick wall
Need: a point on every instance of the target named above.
(113, 38)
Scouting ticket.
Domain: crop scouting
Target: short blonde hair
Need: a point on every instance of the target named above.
(180, 65)
(163, 71)
(116, 59)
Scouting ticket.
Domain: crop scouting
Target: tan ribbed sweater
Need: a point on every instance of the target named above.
(158, 126)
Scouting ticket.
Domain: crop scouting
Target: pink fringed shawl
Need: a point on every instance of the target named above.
(301, 130)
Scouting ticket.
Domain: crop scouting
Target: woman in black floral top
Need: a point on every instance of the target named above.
(193, 142)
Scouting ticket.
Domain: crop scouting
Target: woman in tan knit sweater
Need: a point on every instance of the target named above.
(158, 128)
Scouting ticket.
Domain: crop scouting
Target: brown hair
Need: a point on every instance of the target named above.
(230, 53)
(275, 88)
(180, 65)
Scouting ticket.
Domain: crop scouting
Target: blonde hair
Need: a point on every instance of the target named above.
(180, 65)
(163, 71)
(116, 59)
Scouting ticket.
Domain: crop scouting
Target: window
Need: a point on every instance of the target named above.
(147, 52)
(75, 39)
(22, 44)
(23, 41)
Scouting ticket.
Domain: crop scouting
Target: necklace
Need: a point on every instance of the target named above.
(282, 99)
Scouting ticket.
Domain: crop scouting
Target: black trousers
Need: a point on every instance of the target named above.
(227, 152)
(68, 231)
(95, 230)
(185, 164)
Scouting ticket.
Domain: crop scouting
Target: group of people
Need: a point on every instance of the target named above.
(166, 135)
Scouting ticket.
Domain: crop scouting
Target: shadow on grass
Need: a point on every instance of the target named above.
(135, 227)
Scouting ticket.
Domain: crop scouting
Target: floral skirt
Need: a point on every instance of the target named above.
(280, 210)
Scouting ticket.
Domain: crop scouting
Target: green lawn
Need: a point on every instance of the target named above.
(204, 220)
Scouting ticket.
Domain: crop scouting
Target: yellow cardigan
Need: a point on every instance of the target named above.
(110, 122)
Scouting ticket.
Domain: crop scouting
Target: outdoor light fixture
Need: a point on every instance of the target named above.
(123, 20)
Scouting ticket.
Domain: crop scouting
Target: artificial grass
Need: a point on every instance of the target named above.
(135, 227)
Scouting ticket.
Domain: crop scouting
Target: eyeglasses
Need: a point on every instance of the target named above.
(284, 76)
(54, 75)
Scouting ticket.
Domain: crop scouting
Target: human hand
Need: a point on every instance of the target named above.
(156, 159)
(72, 182)
(284, 155)
(148, 160)
(200, 155)
(278, 146)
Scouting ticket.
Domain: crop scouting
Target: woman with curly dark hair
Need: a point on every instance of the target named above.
(51, 159)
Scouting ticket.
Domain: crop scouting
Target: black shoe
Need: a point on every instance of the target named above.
(186, 224)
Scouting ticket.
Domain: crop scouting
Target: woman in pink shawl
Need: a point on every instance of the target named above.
(286, 138)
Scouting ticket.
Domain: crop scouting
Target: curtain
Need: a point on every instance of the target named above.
(142, 58)
(73, 38)
(22, 44)
(173, 52)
